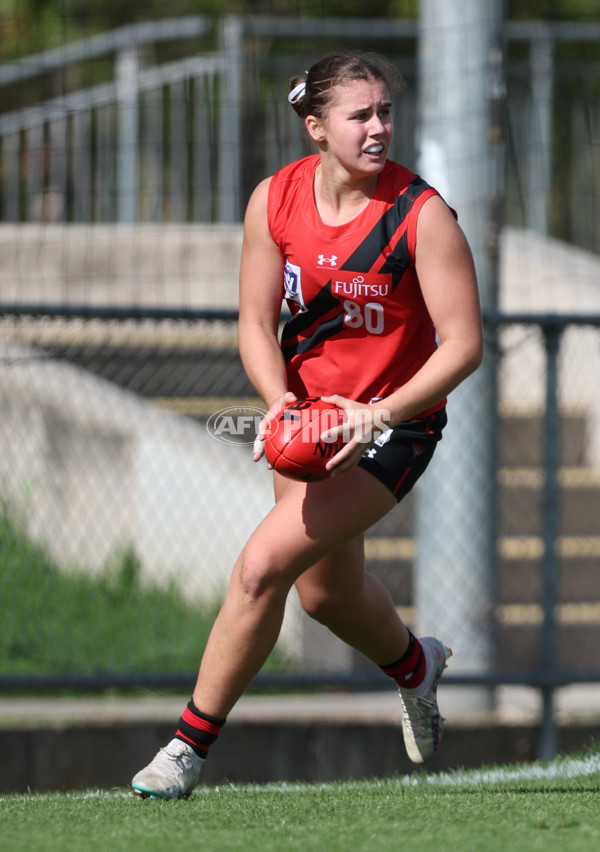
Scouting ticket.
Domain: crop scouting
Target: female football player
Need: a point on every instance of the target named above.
(373, 266)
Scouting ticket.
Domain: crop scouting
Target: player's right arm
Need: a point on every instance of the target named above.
(261, 295)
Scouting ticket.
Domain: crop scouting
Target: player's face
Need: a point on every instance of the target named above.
(359, 127)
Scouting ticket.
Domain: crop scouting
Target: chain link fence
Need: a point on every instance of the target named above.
(128, 489)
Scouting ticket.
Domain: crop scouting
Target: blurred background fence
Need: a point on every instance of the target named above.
(177, 120)
(126, 479)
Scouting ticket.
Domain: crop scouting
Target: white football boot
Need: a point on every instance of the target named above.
(422, 724)
(172, 774)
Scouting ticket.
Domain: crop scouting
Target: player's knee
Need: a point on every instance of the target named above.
(261, 574)
(323, 605)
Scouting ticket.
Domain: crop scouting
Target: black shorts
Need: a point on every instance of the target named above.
(400, 455)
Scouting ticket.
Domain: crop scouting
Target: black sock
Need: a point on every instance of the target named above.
(199, 730)
(409, 670)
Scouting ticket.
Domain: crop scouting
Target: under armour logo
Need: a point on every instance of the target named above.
(330, 260)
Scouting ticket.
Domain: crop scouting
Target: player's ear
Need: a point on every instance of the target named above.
(315, 128)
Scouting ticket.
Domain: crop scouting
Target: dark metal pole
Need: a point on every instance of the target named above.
(548, 743)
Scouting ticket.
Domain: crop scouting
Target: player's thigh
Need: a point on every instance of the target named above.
(311, 520)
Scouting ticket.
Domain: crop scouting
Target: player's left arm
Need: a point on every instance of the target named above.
(446, 273)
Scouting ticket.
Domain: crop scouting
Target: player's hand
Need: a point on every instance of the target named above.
(363, 425)
(265, 424)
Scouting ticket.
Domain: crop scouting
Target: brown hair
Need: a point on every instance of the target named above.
(335, 70)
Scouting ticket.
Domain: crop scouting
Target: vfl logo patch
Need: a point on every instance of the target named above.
(292, 282)
(330, 261)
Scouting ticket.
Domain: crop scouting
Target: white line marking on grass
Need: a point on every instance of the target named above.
(74, 796)
(564, 767)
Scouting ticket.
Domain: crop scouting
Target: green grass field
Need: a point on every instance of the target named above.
(56, 623)
(532, 807)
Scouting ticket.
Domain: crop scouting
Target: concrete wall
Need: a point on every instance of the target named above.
(133, 265)
(197, 266)
(107, 756)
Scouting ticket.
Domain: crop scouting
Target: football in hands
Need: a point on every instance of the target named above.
(294, 447)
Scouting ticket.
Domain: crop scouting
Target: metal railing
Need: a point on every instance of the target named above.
(164, 143)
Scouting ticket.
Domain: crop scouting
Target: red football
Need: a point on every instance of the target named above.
(294, 446)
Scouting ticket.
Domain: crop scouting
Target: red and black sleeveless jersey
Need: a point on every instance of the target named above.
(359, 325)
